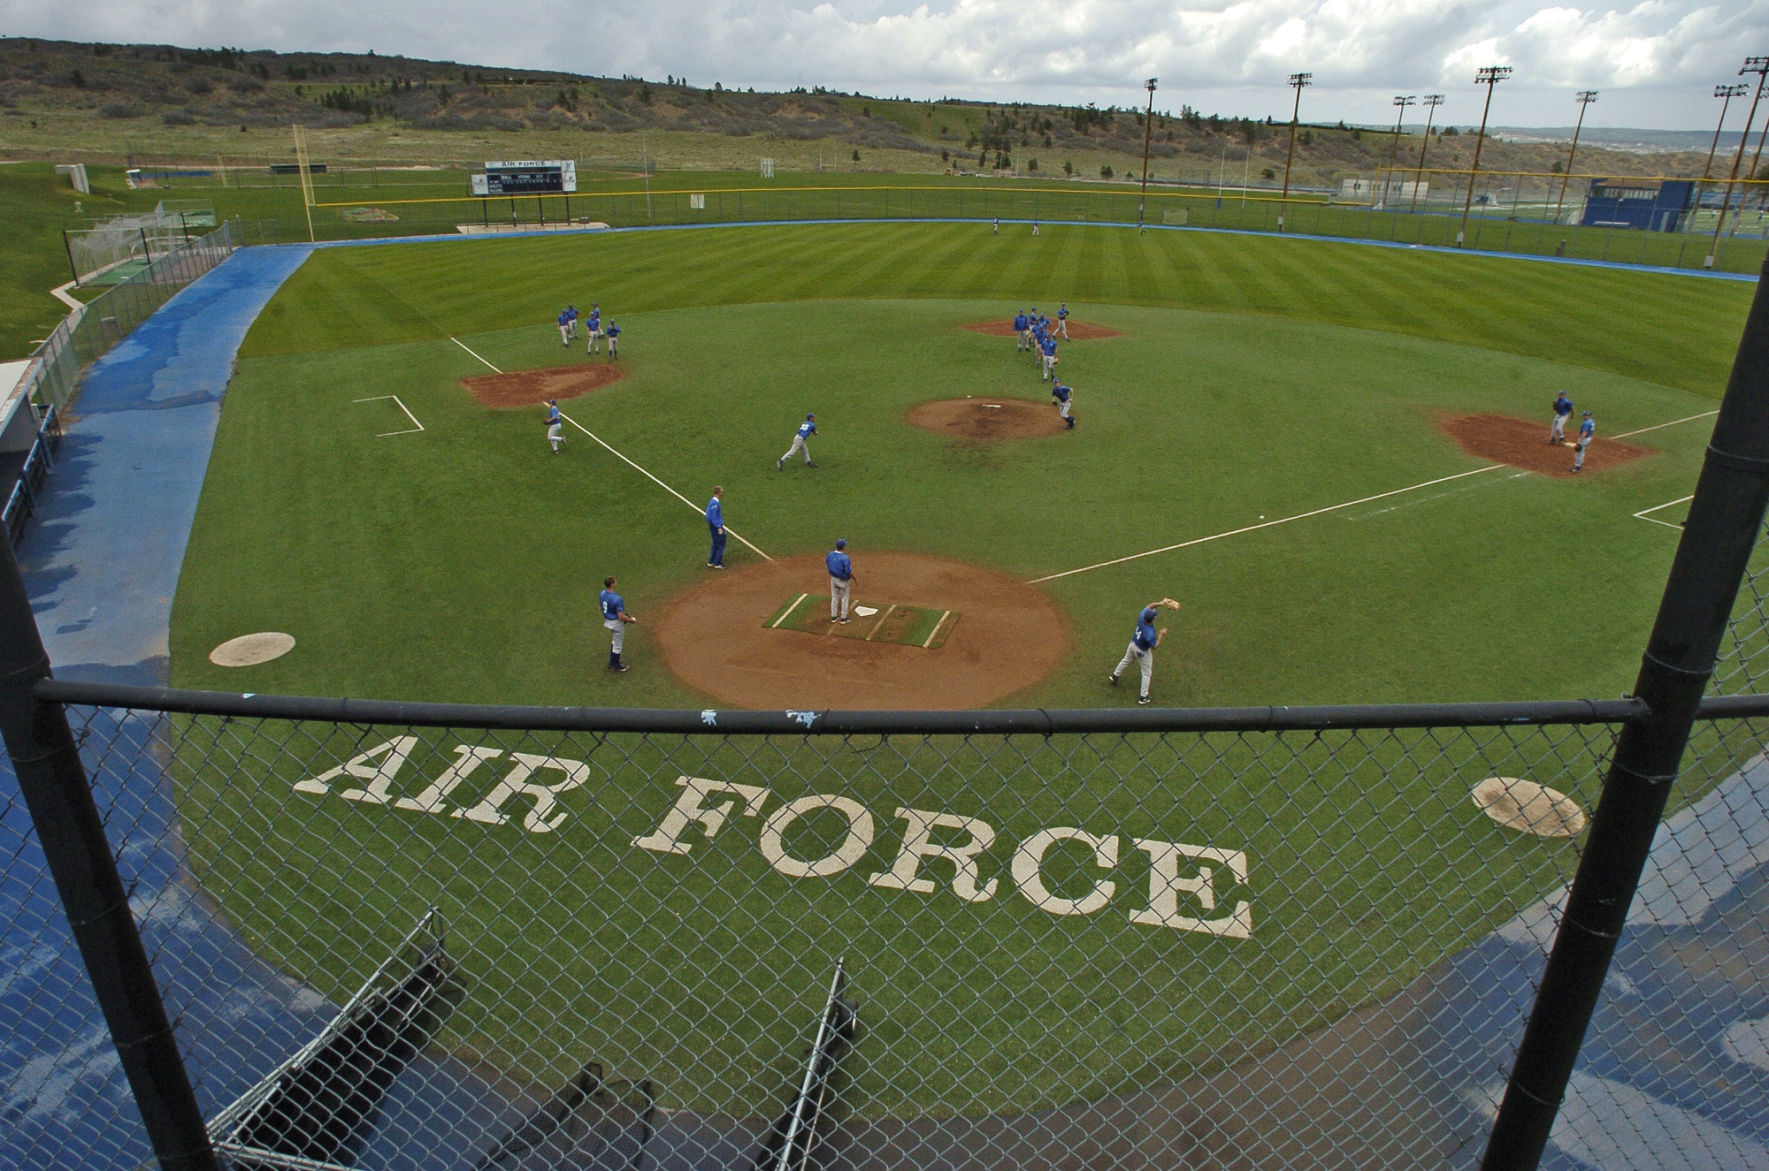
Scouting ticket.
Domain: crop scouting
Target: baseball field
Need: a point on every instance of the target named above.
(1333, 455)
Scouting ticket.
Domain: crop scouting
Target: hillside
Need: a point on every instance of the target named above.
(157, 105)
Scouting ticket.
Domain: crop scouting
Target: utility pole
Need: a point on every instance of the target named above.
(1728, 92)
(1403, 101)
(1148, 122)
(1432, 102)
(1586, 97)
(1297, 80)
(1760, 67)
(1490, 76)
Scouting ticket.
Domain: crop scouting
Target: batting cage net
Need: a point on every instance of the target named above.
(1260, 938)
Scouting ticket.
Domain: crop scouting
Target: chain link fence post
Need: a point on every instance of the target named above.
(46, 761)
(1725, 518)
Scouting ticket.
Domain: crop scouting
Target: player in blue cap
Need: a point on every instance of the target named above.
(614, 620)
(1587, 432)
(1143, 642)
(841, 581)
(806, 429)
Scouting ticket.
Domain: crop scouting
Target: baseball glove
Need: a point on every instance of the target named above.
(1168, 603)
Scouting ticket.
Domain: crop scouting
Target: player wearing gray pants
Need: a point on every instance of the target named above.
(841, 581)
(1141, 651)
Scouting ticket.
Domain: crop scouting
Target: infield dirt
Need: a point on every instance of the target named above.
(714, 638)
(1524, 444)
(524, 388)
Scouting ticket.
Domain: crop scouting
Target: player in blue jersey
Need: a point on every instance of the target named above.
(1587, 432)
(564, 328)
(1141, 650)
(1048, 348)
(806, 429)
(841, 581)
(593, 329)
(614, 620)
(571, 325)
(555, 425)
(1062, 394)
(1562, 412)
(715, 523)
(1062, 320)
(1021, 328)
(613, 332)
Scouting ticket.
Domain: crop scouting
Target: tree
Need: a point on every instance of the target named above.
(1031, 164)
(1105, 172)
(856, 156)
(1068, 167)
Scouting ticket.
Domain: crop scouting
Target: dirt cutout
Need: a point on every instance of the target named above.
(714, 637)
(987, 420)
(1079, 331)
(524, 388)
(1525, 445)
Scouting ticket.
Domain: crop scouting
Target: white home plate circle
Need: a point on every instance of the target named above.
(865, 611)
(251, 649)
(1531, 808)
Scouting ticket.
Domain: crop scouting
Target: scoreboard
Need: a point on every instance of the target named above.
(527, 178)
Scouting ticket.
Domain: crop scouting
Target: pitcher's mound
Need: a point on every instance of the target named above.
(1525, 445)
(714, 638)
(987, 420)
(524, 388)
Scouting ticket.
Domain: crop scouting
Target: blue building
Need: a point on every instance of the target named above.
(1656, 205)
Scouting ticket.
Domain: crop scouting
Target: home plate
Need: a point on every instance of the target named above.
(865, 611)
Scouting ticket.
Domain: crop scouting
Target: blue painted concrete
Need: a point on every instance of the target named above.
(102, 563)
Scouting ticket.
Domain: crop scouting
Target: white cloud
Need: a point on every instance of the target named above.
(1656, 62)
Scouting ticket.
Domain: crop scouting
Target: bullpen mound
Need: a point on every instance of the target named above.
(1525, 445)
(715, 637)
(524, 388)
(987, 420)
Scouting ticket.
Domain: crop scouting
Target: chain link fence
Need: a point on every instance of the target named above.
(569, 945)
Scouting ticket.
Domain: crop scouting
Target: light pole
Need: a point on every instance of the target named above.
(1586, 97)
(1728, 92)
(1402, 101)
(1760, 67)
(1148, 122)
(1432, 102)
(1490, 76)
(1297, 80)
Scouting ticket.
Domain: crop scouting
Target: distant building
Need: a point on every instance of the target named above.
(1652, 205)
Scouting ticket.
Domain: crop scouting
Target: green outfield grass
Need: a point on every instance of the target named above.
(1252, 380)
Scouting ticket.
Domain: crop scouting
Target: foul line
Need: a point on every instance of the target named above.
(1333, 508)
(1641, 515)
(413, 429)
(457, 341)
(623, 459)
(775, 625)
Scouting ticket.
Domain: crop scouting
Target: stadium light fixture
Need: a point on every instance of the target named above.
(1586, 97)
(1148, 121)
(1728, 92)
(1432, 102)
(1490, 76)
(1402, 101)
(1297, 81)
(1760, 67)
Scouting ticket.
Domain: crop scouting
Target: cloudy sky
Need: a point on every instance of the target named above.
(1654, 63)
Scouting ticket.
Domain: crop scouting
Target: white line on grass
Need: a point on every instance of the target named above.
(623, 459)
(457, 341)
(1265, 524)
(944, 614)
(414, 428)
(1333, 508)
(775, 625)
(1641, 515)
(881, 621)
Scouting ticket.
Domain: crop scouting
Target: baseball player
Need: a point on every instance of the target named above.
(614, 621)
(1022, 327)
(593, 329)
(1062, 395)
(1562, 412)
(571, 325)
(997, 230)
(613, 332)
(555, 425)
(1062, 320)
(1141, 650)
(564, 328)
(715, 521)
(841, 581)
(1587, 431)
(1048, 348)
(806, 429)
